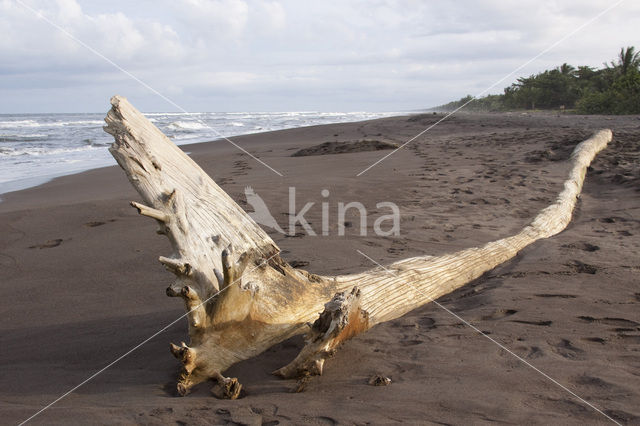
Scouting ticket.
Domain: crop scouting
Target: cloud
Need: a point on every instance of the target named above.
(267, 54)
(31, 42)
(220, 20)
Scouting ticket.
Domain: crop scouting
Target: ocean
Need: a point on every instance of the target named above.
(34, 148)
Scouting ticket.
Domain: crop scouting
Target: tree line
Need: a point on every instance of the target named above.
(613, 89)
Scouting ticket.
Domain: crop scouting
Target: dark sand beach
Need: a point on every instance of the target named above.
(82, 285)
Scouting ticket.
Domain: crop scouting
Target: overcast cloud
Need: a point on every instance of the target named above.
(235, 55)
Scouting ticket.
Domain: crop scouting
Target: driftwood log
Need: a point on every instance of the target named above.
(242, 298)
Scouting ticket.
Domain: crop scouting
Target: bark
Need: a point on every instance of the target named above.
(242, 298)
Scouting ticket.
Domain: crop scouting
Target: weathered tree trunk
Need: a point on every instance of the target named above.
(242, 298)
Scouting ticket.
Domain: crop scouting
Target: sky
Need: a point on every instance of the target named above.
(270, 55)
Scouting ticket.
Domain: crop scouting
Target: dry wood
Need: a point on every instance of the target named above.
(242, 298)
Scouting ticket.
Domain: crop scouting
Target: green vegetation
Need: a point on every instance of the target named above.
(614, 89)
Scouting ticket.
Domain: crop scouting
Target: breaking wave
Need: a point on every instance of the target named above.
(187, 125)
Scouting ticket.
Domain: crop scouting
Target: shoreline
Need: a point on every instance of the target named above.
(34, 182)
(195, 147)
(32, 166)
(80, 266)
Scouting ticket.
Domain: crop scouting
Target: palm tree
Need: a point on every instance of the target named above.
(585, 72)
(566, 69)
(627, 59)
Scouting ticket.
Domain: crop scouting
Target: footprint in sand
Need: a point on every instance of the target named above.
(298, 234)
(621, 326)
(630, 338)
(552, 295)
(427, 323)
(411, 342)
(565, 349)
(161, 411)
(500, 313)
(372, 244)
(531, 352)
(395, 250)
(225, 181)
(610, 220)
(581, 245)
(622, 416)
(298, 263)
(539, 323)
(623, 329)
(616, 322)
(595, 382)
(48, 244)
(582, 268)
(535, 352)
(93, 224)
(595, 340)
